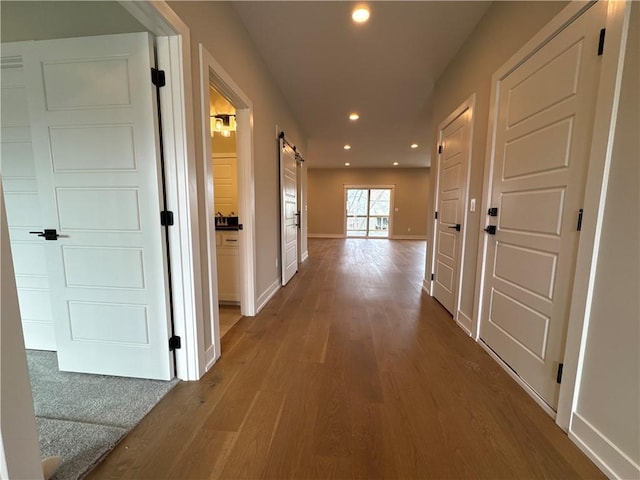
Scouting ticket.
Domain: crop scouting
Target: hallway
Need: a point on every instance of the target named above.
(351, 371)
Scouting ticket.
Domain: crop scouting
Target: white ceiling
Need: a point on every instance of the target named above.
(327, 66)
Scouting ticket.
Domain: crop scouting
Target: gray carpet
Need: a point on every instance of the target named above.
(82, 417)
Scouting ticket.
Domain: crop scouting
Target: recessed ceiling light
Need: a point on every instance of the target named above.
(395, 163)
(347, 147)
(360, 14)
(347, 164)
(354, 116)
(414, 145)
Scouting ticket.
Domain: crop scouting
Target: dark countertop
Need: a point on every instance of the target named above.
(227, 228)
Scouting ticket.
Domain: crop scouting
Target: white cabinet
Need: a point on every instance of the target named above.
(228, 266)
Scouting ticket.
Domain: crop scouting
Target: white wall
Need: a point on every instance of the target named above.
(19, 448)
(607, 416)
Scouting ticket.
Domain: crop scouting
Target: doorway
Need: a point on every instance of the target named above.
(240, 233)
(225, 203)
(452, 190)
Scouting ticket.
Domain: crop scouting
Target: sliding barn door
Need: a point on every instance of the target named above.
(95, 140)
(289, 213)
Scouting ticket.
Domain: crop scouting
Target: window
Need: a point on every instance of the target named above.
(368, 211)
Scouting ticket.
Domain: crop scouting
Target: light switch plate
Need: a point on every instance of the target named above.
(472, 206)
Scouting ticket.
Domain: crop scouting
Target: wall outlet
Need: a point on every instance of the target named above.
(409, 229)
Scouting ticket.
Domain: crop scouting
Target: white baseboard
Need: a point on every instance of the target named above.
(264, 298)
(304, 256)
(408, 237)
(602, 451)
(519, 381)
(464, 321)
(325, 235)
(426, 286)
(210, 358)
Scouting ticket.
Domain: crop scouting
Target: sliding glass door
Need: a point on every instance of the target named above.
(368, 211)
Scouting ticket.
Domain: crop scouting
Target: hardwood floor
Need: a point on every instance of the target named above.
(229, 316)
(351, 371)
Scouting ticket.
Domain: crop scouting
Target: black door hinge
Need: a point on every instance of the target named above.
(439, 148)
(601, 42)
(432, 276)
(436, 215)
(559, 375)
(491, 229)
(579, 226)
(158, 77)
(166, 218)
(174, 343)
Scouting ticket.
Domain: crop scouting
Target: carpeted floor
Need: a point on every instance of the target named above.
(82, 417)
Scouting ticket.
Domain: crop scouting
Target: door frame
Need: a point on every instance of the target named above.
(212, 73)
(370, 187)
(173, 43)
(461, 318)
(599, 162)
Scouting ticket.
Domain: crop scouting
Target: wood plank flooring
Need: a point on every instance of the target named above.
(229, 316)
(351, 371)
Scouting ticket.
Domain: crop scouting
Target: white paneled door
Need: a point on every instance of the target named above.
(453, 167)
(542, 137)
(289, 215)
(95, 140)
(23, 205)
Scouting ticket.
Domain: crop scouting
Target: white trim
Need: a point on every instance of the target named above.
(607, 100)
(174, 56)
(426, 286)
(212, 74)
(537, 398)
(268, 294)
(214, 350)
(304, 255)
(468, 105)
(464, 321)
(326, 235)
(602, 451)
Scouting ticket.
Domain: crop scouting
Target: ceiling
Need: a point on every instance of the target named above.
(327, 67)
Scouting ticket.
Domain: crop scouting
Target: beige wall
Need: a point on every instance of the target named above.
(46, 20)
(609, 395)
(217, 26)
(326, 197)
(505, 28)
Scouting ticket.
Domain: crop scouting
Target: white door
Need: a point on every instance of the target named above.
(289, 215)
(542, 137)
(94, 131)
(23, 205)
(453, 161)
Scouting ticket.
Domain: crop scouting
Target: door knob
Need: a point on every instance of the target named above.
(48, 234)
(456, 226)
